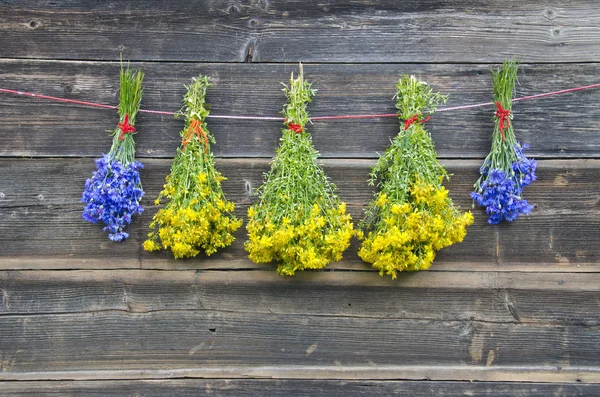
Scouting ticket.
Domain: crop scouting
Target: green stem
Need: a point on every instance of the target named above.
(130, 97)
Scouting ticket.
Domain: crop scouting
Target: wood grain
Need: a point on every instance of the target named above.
(180, 339)
(41, 225)
(281, 388)
(513, 310)
(508, 297)
(557, 127)
(298, 30)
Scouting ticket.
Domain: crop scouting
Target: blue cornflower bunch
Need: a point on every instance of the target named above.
(113, 195)
(114, 192)
(506, 170)
(501, 192)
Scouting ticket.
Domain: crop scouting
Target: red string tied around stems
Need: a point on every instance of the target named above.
(415, 119)
(503, 117)
(125, 127)
(297, 128)
(195, 128)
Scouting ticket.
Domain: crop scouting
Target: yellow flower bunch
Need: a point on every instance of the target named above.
(411, 217)
(299, 242)
(298, 221)
(408, 235)
(196, 215)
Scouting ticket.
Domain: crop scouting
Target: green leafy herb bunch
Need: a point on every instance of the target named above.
(411, 216)
(298, 220)
(196, 215)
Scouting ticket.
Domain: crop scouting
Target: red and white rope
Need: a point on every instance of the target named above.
(316, 118)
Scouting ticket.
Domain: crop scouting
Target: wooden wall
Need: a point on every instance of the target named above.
(514, 310)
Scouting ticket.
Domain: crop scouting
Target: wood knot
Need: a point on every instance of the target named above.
(34, 24)
(264, 5)
(234, 9)
(254, 23)
(549, 14)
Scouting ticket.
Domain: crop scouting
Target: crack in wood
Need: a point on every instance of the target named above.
(249, 50)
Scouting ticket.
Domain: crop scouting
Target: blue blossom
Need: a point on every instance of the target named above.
(500, 191)
(112, 195)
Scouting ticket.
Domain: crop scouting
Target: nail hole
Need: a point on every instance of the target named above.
(212, 330)
(68, 89)
(40, 196)
(2, 195)
(33, 24)
(254, 23)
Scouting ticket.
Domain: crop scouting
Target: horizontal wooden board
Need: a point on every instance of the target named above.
(281, 388)
(180, 339)
(291, 31)
(561, 126)
(41, 225)
(471, 373)
(509, 297)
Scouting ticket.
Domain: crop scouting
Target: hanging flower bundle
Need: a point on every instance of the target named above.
(298, 221)
(506, 171)
(196, 215)
(411, 216)
(113, 194)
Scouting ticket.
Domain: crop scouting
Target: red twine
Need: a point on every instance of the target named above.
(415, 119)
(504, 120)
(125, 127)
(195, 128)
(297, 128)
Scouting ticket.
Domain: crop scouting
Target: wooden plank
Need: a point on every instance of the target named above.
(538, 298)
(310, 31)
(41, 226)
(562, 126)
(471, 373)
(176, 339)
(276, 388)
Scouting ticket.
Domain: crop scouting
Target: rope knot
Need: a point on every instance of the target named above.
(125, 127)
(195, 129)
(415, 119)
(297, 128)
(503, 118)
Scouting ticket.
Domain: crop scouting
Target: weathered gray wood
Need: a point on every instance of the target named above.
(513, 303)
(468, 372)
(291, 31)
(539, 298)
(563, 126)
(276, 388)
(177, 339)
(41, 225)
